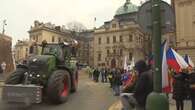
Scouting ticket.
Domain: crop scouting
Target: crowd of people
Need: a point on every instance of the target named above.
(133, 86)
(105, 75)
(184, 88)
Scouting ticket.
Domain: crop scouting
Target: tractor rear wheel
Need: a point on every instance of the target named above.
(58, 87)
(16, 77)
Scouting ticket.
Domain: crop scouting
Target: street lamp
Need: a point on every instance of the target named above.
(157, 100)
(4, 24)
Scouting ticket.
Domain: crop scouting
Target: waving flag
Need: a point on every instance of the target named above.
(175, 61)
(165, 77)
(189, 61)
(125, 63)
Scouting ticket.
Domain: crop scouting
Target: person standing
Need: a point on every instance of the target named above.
(116, 82)
(102, 75)
(106, 74)
(110, 77)
(180, 86)
(88, 71)
(192, 89)
(96, 75)
(143, 87)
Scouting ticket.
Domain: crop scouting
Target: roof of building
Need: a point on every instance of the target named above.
(128, 7)
(49, 27)
(5, 37)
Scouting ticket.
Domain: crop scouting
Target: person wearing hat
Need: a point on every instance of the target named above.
(143, 88)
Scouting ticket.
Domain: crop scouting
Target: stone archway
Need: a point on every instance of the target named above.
(113, 63)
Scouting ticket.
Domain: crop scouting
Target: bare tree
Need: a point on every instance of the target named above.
(76, 26)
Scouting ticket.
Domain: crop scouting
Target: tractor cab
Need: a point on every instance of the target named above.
(65, 53)
(55, 50)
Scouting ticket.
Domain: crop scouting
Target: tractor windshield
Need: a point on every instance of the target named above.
(52, 50)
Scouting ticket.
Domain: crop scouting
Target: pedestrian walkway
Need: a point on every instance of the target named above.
(187, 105)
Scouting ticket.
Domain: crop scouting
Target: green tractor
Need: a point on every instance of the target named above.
(53, 75)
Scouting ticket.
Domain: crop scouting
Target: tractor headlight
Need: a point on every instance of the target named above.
(30, 75)
(38, 75)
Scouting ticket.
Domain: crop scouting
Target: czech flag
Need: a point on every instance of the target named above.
(175, 61)
(165, 76)
(189, 61)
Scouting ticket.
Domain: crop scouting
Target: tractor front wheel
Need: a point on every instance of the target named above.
(16, 77)
(58, 87)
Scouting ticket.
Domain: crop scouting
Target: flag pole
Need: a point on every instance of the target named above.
(157, 100)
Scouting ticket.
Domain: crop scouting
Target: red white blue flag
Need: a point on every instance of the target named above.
(175, 61)
(188, 60)
(165, 76)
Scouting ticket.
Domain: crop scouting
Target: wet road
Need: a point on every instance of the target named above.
(90, 96)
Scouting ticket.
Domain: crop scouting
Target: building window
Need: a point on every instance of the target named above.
(53, 39)
(26, 52)
(130, 55)
(108, 52)
(31, 51)
(114, 39)
(107, 63)
(99, 57)
(121, 52)
(114, 25)
(121, 38)
(108, 40)
(36, 38)
(114, 51)
(59, 39)
(99, 41)
(33, 38)
(130, 38)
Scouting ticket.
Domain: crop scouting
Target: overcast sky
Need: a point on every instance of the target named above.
(20, 14)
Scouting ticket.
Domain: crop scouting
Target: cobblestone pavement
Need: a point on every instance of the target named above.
(90, 96)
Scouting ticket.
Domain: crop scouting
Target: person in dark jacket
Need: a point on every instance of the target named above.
(180, 89)
(106, 74)
(116, 81)
(143, 88)
(192, 89)
(96, 75)
(1, 70)
(103, 75)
